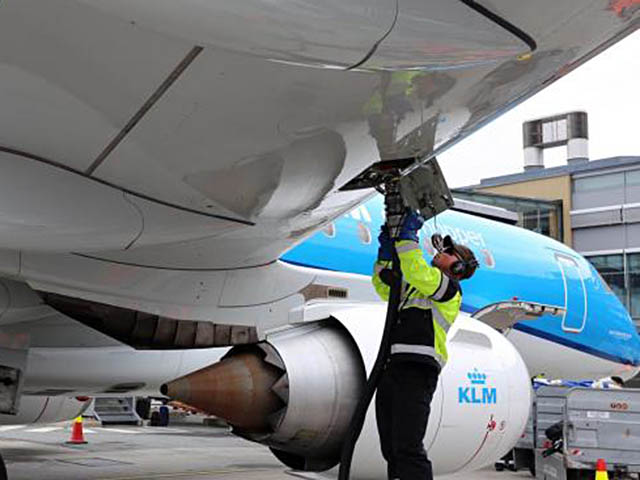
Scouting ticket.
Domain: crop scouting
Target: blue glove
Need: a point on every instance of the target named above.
(385, 252)
(410, 225)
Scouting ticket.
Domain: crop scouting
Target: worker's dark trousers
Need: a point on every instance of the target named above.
(402, 411)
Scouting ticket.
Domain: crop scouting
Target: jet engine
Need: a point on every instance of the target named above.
(296, 393)
(39, 409)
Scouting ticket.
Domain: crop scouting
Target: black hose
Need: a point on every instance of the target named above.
(357, 420)
(3, 470)
(504, 23)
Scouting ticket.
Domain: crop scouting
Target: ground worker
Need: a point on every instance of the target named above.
(430, 303)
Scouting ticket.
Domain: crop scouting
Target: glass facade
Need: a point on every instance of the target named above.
(599, 182)
(600, 190)
(632, 178)
(611, 269)
(633, 264)
(537, 220)
(540, 216)
(622, 274)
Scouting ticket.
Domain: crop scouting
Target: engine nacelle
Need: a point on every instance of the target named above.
(479, 409)
(37, 409)
(322, 382)
(297, 391)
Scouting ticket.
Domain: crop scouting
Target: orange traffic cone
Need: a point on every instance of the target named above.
(601, 470)
(77, 435)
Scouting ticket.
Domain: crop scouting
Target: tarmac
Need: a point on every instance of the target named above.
(185, 451)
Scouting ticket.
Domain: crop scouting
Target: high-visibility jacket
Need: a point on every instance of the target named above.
(429, 306)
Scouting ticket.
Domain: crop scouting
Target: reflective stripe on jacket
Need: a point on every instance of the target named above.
(425, 288)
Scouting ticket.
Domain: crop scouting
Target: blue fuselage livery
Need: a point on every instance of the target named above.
(514, 264)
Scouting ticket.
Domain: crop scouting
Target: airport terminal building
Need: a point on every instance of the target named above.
(591, 205)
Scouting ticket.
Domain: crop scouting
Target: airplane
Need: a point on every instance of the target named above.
(158, 159)
(306, 375)
(531, 267)
(533, 307)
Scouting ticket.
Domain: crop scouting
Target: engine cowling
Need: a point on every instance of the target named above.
(479, 409)
(39, 409)
(296, 393)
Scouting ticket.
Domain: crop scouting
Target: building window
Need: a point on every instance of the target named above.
(624, 283)
(541, 216)
(633, 265)
(632, 178)
(611, 269)
(537, 221)
(600, 182)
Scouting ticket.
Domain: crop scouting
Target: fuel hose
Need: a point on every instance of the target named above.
(393, 306)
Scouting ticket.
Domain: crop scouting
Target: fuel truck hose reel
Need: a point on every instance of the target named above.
(424, 190)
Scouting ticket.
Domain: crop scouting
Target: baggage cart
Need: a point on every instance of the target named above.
(595, 424)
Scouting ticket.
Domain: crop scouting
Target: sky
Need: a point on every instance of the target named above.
(607, 87)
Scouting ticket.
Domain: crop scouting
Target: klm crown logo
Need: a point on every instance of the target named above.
(477, 378)
(478, 392)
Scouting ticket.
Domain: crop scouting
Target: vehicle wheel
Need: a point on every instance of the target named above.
(532, 470)
(143, 407)
(155, 419)
(499, 466)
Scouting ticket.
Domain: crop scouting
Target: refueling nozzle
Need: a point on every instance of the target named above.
(394, 207)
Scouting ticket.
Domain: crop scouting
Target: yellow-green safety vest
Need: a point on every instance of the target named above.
(423, 286)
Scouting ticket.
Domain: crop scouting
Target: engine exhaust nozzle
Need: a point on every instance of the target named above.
(237, 389)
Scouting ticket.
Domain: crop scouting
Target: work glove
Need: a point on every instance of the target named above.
(410, 225)
(385, 251)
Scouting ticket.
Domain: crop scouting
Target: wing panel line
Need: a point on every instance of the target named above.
(144, 109)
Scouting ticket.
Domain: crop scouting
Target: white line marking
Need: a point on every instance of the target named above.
(163, 430)
(43, 429)
(118, 430)
(6, 428)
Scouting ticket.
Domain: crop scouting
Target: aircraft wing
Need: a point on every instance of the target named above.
(157, 161)
(217, 135)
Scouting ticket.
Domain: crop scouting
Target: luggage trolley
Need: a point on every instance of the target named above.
(593, 424)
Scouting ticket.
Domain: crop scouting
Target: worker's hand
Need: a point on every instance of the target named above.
(385, 251)
(410, 225)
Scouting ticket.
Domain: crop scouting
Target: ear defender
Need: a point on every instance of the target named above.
(465, 268)
(458, 268)
(466, 264)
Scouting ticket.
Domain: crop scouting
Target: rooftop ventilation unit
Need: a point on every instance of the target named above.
(570, 129)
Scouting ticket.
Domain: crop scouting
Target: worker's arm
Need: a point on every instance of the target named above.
(380, 280)
(428, 280)
(382, 289)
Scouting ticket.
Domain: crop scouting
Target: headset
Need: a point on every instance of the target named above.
(464, 268)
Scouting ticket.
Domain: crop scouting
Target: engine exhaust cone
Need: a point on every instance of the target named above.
(237, 389)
